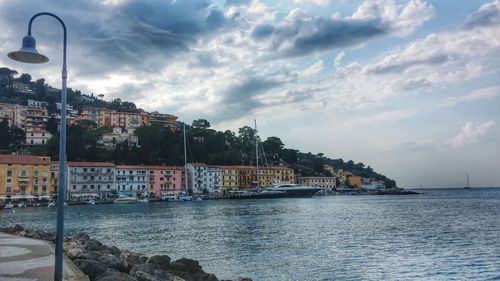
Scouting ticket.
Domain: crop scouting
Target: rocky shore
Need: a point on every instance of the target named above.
(109, 263)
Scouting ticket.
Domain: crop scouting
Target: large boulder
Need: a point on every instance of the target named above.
(111, 261)
(160, 261)
(148, 268)
(133, 259)
(93, 245)
(82, 237)
(78, 253)
(17, 228)
(91, 268)
(187, 265)
(142, 276)
(113, 275)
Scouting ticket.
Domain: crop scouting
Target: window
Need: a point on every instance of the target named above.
(9, 180)
(9, 189)
(9, 173)
(35, 173)
(74, 187)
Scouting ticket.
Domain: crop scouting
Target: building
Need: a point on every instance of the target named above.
(197, 177)
(24, 175)
(133, 179)
(247, 177)
(167, 120)
(329, 169)
(37, 136)
(325, 183)
(54, 175)
(283, 174)
(90, 178)
(96, 114)
(126, 120)
(165, 180)
(13, 114)
(229, 178)
(354, 181)
(117, 136)
(22, 88)
(39, 104)
(213, 179)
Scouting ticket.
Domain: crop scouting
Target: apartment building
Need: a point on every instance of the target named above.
(131, 179)
(90, 177)
(325, 183)
(163, 180)
(24, 175)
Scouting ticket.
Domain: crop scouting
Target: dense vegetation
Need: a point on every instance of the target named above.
(159, 145)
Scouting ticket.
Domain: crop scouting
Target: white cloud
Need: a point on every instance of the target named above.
(382, 117)
(478, 94)
(470, 134)
(338, 59)
(313, 69)
(316, 2)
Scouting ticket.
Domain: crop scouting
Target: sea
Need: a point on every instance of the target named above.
(440, 234)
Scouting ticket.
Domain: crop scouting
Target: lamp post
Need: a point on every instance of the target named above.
(29, 54)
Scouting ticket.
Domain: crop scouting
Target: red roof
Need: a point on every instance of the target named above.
(91, 164)
(22, 159)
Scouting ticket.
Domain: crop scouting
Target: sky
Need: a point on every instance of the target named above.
(409, 87)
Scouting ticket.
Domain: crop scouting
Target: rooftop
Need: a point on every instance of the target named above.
(22, 159)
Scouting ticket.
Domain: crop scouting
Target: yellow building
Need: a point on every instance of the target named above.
(283, 174)
(355, 181)
(24, 175)
(229, 178)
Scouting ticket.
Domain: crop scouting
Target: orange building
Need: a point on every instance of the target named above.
(25, 175)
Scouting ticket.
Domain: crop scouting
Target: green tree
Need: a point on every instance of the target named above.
(52, 126)
(5, 133)
(25, 78)
(201, 124)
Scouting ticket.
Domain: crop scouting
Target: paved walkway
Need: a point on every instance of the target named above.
(26, 259)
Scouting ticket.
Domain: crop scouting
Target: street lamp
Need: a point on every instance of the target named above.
(29, 54)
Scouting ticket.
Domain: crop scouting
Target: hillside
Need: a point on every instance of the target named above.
(159, 145)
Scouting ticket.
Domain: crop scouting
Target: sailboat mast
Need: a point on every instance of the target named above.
(468, 183)
(257, 156)
(185, 161)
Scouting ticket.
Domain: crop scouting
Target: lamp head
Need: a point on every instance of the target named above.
(28, 52)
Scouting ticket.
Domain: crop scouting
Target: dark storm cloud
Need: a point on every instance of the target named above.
(487, 15)
(302, 35)
(141, 35)
(241, 98)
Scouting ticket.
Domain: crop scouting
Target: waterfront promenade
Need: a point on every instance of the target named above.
(29, 259)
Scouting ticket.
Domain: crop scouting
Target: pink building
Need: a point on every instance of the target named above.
(163, 180)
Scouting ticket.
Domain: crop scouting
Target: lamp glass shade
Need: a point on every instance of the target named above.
(28, 52)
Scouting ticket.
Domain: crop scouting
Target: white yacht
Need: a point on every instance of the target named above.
(295, 190)
(125, 200)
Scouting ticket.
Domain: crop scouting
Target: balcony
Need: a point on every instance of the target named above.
(23, 183)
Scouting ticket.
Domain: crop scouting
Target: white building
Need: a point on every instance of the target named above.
(131, 179)
(117, 136)
(213, 179)
(36, 103)
(197, 177)
(37, 136)
(85, 178)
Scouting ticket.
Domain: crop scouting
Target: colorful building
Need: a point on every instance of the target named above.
(229, 178)
(325, 183)
(24, 175)
(355, 181)
(165, 180)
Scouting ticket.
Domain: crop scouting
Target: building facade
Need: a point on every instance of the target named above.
(24, 175)
(229, 178)
(325, 183)
(132, 179)
(90, 178)
(165, 180)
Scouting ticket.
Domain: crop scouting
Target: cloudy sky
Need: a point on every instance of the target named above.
(410, 87)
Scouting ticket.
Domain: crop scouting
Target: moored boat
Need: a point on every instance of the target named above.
(293, 190)
(125, 200)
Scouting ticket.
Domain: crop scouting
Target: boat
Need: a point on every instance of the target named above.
(169, 198)
(468, 182)
(9, 206)
(21, 205)
(51, 204)
(293, 190)
(184, 197)
(125, 200)
(199, 198)
(91, 202)
(143, 200)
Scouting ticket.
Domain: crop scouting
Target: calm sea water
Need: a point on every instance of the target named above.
(444, 234)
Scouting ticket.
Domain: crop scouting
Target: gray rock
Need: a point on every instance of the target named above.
(82, 237)
(90, 267)
(133, 259)
(115, 251)
(17, 228)
(111, 261)
(244, 279)
(148, 268)
(142, 276)
(187, 265)
(113, 275)
(78, 253)
(160, 261)
(93, 245)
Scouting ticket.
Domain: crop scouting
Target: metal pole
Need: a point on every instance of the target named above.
(58, 271)
(185, 161)
(257, 156)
